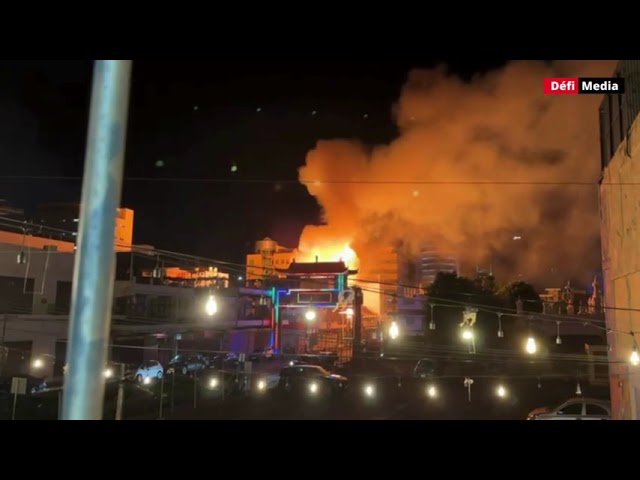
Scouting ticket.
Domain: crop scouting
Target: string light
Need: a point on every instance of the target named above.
(634, 359)
(212, 306)
(369, 391)
(432, 391)
(501, 392)
(531, 346)
(467, 383)
(394, 330)
(432, 321)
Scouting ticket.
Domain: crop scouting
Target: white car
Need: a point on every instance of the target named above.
(575, 409)
(150, 369)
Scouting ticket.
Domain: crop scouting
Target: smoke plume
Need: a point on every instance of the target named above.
(469, 171)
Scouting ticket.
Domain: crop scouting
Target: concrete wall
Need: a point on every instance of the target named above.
(46, 269)
(620, 226)
(43, 332)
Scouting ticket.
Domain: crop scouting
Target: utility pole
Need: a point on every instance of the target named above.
(94, 270)
(120, 398)
(357, 322)
(3, 349)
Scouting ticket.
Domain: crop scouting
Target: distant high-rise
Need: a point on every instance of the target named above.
(432, 261)
(62, 218)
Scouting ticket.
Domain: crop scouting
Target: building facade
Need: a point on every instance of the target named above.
(432, 261)
(62, 219)
(267, 258)
(620, 229)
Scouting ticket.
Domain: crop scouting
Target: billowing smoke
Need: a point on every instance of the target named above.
(476, 164)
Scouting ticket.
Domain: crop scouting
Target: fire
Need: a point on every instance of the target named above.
(327, 252)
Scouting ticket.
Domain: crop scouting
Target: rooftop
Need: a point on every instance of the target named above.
(304, 268)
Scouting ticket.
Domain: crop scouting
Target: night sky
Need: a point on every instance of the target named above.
(196, 120)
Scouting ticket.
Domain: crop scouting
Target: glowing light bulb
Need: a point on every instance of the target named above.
(310, 315)
(212, 306)
(369, 391)
(501, 391)
(147, 380)
(394, 330)
(38, 363)
(108, 373)
(313, 388)
(349, 311)
(262, 385)
(467, 334)
(531, 346)
(432, 391)
(634, 359)
(213, 383)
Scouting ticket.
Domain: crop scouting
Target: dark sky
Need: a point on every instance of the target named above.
(197, 119)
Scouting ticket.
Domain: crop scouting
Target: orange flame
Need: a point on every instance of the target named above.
(327, 251)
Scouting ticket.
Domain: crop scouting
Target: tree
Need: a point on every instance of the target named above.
(448, 296)
(523, 291)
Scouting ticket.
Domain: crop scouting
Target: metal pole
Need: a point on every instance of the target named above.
(4, 352)
(173, 373)
(120, 398)
(161, 396)
(60, 398)
(195, 389)
(94, 269)
(15, 402)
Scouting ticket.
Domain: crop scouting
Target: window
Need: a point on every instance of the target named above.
(596, 410)
(571, 409)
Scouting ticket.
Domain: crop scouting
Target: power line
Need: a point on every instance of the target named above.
(328, 182)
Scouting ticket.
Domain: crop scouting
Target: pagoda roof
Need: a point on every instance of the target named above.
(314, 268)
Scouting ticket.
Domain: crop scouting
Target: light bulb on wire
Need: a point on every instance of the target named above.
(212, 306)
(467, 334)
(634, 358)
(531, 346)
(394, 330)
(432, 325)
(432, 391)
(310, 315)
(501, 391)
(558, 339)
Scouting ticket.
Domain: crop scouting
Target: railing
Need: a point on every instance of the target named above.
(619, 111)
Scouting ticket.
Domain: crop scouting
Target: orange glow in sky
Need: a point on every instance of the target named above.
(328, 252)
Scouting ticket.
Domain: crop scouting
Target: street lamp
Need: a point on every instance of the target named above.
(212, 306)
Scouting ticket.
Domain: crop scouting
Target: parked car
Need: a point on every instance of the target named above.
(575, 409)
(262, 354)
(34, 384)
(188, 363)
(425, 368)
(302, 377)
(150, 369)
